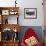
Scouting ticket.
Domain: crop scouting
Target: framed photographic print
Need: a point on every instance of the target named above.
(13, 12)
(5, 12)
(30, 13)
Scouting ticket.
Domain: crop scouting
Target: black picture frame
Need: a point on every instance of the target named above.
(30, 13)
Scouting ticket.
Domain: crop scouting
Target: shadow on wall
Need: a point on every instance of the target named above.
(37, 29)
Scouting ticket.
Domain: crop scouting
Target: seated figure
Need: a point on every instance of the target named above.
(30, 38)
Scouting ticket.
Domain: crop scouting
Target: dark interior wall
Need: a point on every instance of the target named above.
(37, 29)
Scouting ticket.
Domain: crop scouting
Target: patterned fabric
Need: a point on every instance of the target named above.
(30, 35)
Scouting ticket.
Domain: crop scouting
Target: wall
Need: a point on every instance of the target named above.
(27, 4)
(32, 4)
(38, 23)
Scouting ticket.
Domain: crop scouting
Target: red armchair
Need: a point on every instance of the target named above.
(29, 36)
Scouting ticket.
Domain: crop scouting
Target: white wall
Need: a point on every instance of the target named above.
(32, 4)
(27, 4)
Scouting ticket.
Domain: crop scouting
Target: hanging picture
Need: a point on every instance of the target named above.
(30, 13)
(5, 12)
